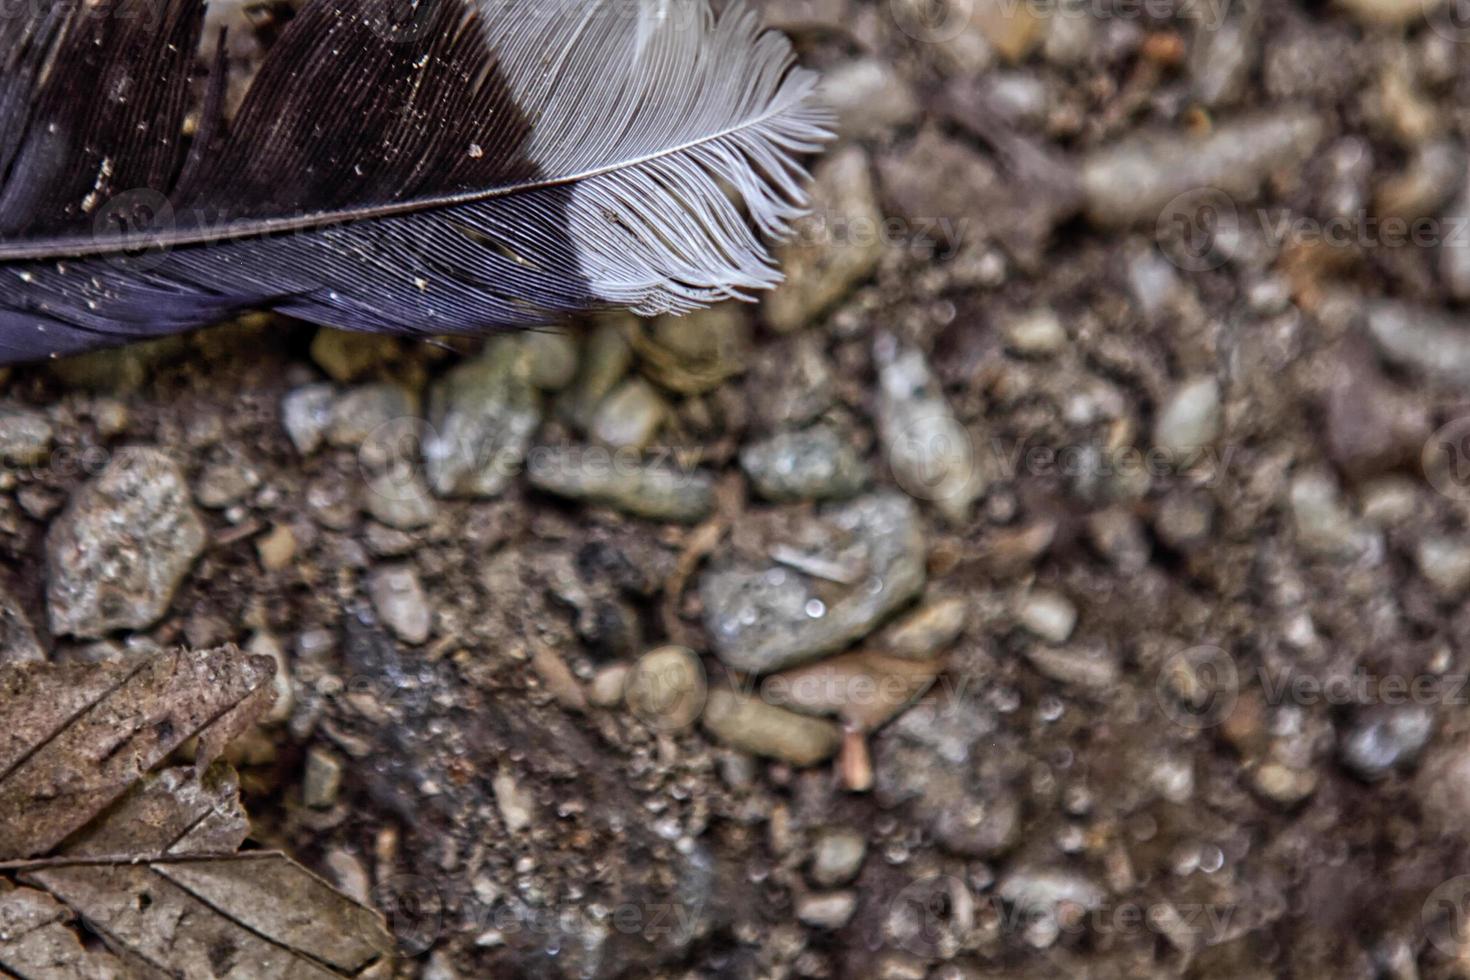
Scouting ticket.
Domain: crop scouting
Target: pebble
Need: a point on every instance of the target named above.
(1038, 333)
(928, 631)
(812, 464)
(1445, 563)
(607, 357)
(551, 358)
(360, 412)
(399, 499)
(1429, 341)
(1041, 890)
(1442, 785)
(797, 382)
(1221, 60)
(117, 554)
(1372, 425)
(864, 689)
(1094, 669)
(826, 258)
(869, 97)
(347, 355)
(18, 641)
(264, 643)
(399, 599)
(837, 856)
(931, 454)
(766, 619)
(606, 689)
(751, 725)
(25, 437)
(1132, 181)
(1382, 739)
(517, 808)
(630, 417)
(826, 910)
(1388, 13)
(1048, 615)
(223, 484)
(1184, 519)
(1324, 528)
(1283, 784)
(482, 418)
(659, 491)
(696, 353)
(981, 826)
(1190, 418)
(306, 414)
(322, 782)
(666, 688)
(1390, 500)
(276, 549)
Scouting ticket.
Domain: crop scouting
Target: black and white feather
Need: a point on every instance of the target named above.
(428, 167)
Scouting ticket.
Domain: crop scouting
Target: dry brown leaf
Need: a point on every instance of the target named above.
(36, 943)
(73, 738)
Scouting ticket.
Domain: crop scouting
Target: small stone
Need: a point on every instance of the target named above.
(1390, 500)
(630, 417)
(1048, 615)
(360, 412)
(399, 599)
(869, 97)
(931, 454)
(1283, 784)
(1323, 526)
(551, 358)
(837, 856)
(389, 542)
(826, 910)
(821, 264)
(666, 688)
(517, 807)
(813, 464)
(399, 499)
(1221, 61)
(606, 690)
(1388, 13)
(1038, 333)
(796, 381)
(482, 418)
(753, 726)
(607, 357)
(322, 782)
(223, 484)
(125, 542)
(276, 549)
(1386, 738)
(1042, 891)
(1190, 418)
(657, 491)
(1094, 669)
(766, 619)
(306, 413)
(1184, 519)
(1427, 340)
(1445, 563)
(1135, 180)
(864, 689)
(695, 354)
(980, 826)
(928, 631)
(1118, 535)
(347, 355)
(264, 643)
(25, 437)
(18, 641)
(1442, 785)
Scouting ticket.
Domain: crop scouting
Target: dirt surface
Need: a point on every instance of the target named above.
(1070, 559)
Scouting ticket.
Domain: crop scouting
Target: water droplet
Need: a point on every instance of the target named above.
(815, 608)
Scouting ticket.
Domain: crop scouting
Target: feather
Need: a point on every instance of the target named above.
(414, 166)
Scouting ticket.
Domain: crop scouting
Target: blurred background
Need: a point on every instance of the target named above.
(1062, 574)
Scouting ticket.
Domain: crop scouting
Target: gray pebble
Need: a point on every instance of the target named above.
(1048, 615)
(1387, 738)
(360, 412)
(306, 412)
(125, 542)
(814, 464)
(869, 98)
(631, 416)
(322, 782)
(25, 437)
(482, 418)
(399, 599)
(1190, 418)
(837, 856)
(660, 491)
(826, 910)
(751, 725)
